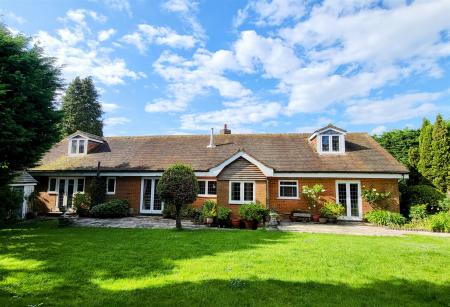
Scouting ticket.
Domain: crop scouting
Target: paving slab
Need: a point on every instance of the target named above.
(135, 222)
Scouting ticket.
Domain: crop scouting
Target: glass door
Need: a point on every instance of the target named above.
(61, 194)
(349, 196)
(150, 200)
(66, 187)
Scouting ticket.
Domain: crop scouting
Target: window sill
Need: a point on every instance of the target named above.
(109, 193)
(207, 195)
(240, 202)
(294, 198)
(52, 192)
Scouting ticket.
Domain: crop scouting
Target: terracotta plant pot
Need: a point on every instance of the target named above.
(315, 218)
(323, 220)
(251, 224)
(236, 223)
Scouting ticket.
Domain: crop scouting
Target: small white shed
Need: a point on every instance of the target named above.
(24, 183)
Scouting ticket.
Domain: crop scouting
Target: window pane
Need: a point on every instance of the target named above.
(288, 191)
(80, 185)
(202, 187)
(325, 143)
(235, 191)
(52, 185)
(73, 147)
(335, 142)
(147, 194)
(354, 199)
(157, 204)
(288, 183)
(212, 187)
(110, 185)
(248, 191)
(342, 195)
(70, 189)
(81, 146)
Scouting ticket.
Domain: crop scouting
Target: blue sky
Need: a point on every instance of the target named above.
(181, 67)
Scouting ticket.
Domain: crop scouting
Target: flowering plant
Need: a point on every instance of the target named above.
(312, 195)
(374, 198)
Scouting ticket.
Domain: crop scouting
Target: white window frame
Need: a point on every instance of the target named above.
(206, 181)
(242, 184)
(330, 142)
(115, 183)
(77, 140)
(287, 197)
(348, 209)
(56, 186)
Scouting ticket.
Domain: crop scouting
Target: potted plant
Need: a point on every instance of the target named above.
(332, 211)
(313, 198)
(323, 219)
(223, 216)
(252, 214)
(209, 211)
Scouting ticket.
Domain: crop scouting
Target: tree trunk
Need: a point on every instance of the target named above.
(178, 217)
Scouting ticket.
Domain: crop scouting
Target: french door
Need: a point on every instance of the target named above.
(67, 187)
(348, 194)
(150, 202)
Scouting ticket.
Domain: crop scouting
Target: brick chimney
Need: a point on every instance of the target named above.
(225, 130)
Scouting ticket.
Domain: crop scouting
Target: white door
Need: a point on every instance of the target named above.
(348, 193)
(66, 188)
(150, 202)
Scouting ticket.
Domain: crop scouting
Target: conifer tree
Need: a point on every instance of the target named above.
(81, 109)
(440, 146)
(425, 152)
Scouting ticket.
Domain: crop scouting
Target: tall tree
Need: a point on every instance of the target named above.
(81, 109)
(440, 146)
(28, 118)
(425, 152)
(399, 142)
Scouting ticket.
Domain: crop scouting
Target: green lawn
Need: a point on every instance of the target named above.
(41, 263)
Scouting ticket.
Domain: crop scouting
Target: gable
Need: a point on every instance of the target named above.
(241, 169)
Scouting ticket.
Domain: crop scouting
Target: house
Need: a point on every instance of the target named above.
(231, 168)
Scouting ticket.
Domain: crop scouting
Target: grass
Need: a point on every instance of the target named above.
(43, 264)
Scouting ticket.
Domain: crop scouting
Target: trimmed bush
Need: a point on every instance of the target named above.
(425, 194)
(385, 218)
(112, 209)
(81, 202)
(418, 212)
(440, 222)
(224, 214)
(253, 212)
(331, 210)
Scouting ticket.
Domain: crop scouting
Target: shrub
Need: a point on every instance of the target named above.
(444, 205)
(29, 215)
(385, 218)
(11, 202)
(253, 212)
(111, 209)
(376, 199)
(440, 222)
(418, 212)
(332, 210)
(209, 208)
(312, 195)
(425, 194)
(82, 203)
(224, 214)
(169, 211)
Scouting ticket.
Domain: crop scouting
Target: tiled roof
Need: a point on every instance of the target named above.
(282, 152)
(23, 178)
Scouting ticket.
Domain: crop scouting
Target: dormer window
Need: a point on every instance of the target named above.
(329, 140)
(77, 146)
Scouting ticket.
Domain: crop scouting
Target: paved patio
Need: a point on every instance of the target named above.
(159, 222)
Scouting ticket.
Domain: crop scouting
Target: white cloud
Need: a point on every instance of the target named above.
(379, 130)
(115, 121)
(105, 34)
(12, 17)
(270, 12)
(78, 16)
(80, 54)
(237, 116)
(119, 5)
(187, 9)
(190, 78)
(180, 6)
(148, 34)
(391, 110)
(109, 107)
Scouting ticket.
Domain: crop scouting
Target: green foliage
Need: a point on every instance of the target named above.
(178, 186)
(253, 212)
(440, 222)
(332, 210)
(11, 202)
(418, 212)
(28, 117)
(425, 194)
(97, 190)
(313, 195)
(440, 146)
(398, 142)
(169, 211)
(82, 204)
(378, 200)
(444, 204)
(425, 152)
(112, 209)
(209, 208)
(385, 218)
(224, 214)
(81, 109)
